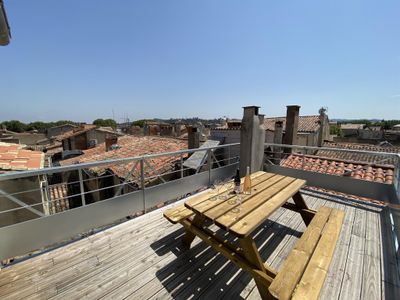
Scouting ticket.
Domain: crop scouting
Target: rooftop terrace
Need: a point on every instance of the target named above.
(142, 259)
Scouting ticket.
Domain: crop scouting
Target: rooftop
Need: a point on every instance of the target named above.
(131, 146)
(352, 126)
(142, 259)
(306, 123)
(357, 156)
(14, 158)
(377, 173)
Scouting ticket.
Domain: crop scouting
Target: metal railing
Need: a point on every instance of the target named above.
(46, 206)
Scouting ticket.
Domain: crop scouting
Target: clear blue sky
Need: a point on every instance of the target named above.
(84, 59)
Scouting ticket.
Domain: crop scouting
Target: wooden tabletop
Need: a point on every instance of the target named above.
(269, 192)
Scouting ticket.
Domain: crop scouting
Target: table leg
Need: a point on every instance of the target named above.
(189, 236)
(303, 208)
(253, 256)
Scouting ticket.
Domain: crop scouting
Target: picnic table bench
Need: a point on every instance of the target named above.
(303, 273)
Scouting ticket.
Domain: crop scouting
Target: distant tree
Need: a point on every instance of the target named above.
(335, 129)
(14, 125)
(40, 126)
(139, 123)
(62, 122)
(105, 123)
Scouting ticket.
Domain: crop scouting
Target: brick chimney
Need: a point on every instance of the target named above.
(252, 138)
(278, 135)
(278, 132)
(292, 124)
(193, 137)
(111, 140)
(323, 120)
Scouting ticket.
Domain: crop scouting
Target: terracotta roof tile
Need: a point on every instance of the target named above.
(359, 157)
(306, 123)
(382, 174)
(75, 131)
(14, 158)
(131, 146)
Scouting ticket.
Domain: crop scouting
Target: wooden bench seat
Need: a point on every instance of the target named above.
(178, 213)
(303, 273)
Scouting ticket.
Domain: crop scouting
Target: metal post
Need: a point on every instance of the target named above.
(142, 183)
(209, 165)
(81, 187)
(229, 155)
(181, 166)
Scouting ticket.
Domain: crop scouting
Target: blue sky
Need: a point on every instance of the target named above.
(90, 59)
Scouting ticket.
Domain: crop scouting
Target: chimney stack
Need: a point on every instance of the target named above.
(252, 138)
(278, 132)
(193, 137)
(292, 124)
(278, 135)
(323, 119)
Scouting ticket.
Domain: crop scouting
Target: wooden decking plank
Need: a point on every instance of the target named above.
(351, 286)
(247, 224)
(371, 284)
(55, 279)
(313, 278)
(49, 259)
(213, 209)
(285, 282)
(225, 217)
(74, 259)
(129, 259)
(336, 275)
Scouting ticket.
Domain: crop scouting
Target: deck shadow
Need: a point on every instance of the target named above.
(203, 272)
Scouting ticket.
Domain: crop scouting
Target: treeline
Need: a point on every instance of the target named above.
(18, 126)
(386, 124)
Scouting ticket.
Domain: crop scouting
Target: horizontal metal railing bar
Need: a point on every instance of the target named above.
(397, 155)
(52, 170)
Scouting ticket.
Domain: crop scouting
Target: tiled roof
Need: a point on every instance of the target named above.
(14, 158)
(306, 123)
(382, 174)
(352, 126)
(359, 157)
(58, 196)
(131, 146)
(75, 131)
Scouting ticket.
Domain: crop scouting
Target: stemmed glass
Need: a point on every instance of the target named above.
(238, 202)
(216, 188)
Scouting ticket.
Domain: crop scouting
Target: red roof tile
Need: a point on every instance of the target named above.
(306, 123)
(14, 158)
(360, 157)
(131, 146)
(382, 174)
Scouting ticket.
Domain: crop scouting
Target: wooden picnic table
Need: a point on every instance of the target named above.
(268, 193)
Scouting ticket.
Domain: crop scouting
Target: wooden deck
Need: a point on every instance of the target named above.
(141, 259)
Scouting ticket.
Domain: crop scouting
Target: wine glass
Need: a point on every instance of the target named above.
(238, 208)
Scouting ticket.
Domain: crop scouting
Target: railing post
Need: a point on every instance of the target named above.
(181, 166)
(209, 165)
(142, 183)
(229, 155)
(81, 187)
